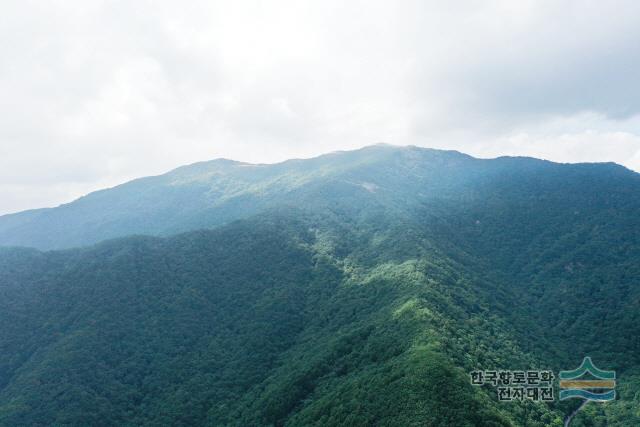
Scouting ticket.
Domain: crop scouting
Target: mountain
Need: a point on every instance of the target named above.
(357, 288)
(213, 193)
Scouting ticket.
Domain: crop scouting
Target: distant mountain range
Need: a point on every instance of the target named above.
(213, 193)
(355, 288)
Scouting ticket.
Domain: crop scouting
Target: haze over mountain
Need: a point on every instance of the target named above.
(212, 193)
(356, 288)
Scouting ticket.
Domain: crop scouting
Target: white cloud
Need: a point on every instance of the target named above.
(95, 92)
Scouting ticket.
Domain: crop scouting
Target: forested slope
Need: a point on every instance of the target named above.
(360, 288)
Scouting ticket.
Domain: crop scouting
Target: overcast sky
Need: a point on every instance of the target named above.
(94, 93)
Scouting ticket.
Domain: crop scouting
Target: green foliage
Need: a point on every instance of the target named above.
(360, 289)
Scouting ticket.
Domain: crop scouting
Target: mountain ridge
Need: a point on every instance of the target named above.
(211, 193)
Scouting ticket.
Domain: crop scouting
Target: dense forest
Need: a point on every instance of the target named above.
(358, 288)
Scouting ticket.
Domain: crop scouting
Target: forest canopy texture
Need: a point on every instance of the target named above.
(357, 288)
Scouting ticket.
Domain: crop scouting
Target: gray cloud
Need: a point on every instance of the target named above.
(95, 93)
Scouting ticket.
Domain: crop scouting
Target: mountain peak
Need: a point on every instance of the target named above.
(210, 193)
